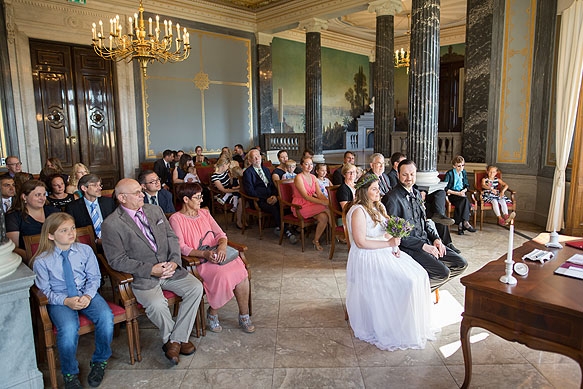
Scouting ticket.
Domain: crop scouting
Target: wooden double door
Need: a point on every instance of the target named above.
(75, 108)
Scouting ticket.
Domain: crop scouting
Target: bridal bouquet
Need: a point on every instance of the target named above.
(398, 228)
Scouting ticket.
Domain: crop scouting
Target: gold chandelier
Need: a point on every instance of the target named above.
(402, 59)
(144, 46)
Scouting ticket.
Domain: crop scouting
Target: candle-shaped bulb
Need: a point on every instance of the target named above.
(150, 26)
(177, 30)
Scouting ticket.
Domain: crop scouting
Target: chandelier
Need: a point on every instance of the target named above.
(402, 58)
(137, 43)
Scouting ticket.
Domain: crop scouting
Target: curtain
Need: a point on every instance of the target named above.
(569, 71)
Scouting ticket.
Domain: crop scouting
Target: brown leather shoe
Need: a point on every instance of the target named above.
(172, 351)
(187, 348)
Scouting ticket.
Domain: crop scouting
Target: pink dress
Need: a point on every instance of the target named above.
(309, 209)
(218, 281)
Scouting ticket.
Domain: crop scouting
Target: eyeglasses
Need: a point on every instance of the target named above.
(157, 180)
(14, 164)
(197, 197)
(96, 184)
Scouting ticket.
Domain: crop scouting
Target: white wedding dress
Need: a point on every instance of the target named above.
(388, 298)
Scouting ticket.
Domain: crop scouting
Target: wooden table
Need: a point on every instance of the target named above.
(543, 311)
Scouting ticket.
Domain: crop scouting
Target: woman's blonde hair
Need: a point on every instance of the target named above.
(72, 178)
(221, 162)
(50, 226)
(375, 209)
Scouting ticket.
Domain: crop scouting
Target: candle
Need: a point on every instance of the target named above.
(130, 25)
(101, 27)
(157, 22)
(110, 39)
(177, 31)
(136, 22)
(170, 28)
(110, 26)
(149, 26)
(94, 32)
(165, 28)
(510, 242)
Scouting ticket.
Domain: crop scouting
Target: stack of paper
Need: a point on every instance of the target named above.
(573, 267)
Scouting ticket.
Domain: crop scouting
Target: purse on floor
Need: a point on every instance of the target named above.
(231, 252)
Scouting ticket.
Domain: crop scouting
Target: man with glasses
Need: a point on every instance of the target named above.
(137, 239)
(152, 190)
(377, 166)
(337, 177)
(92, 208)
(14, 166)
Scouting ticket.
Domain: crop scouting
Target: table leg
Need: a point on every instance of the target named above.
(465, 339)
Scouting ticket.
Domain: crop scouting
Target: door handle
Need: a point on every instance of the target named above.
(73, 139)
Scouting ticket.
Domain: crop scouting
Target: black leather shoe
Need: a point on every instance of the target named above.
(470, 228)
(442, 219)
(460, 229)
(452, 247)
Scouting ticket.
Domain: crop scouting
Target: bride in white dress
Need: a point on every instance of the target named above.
(388, 298)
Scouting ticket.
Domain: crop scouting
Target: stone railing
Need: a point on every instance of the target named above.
(449, 144)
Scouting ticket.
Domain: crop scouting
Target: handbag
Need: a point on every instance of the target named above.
(231, 252)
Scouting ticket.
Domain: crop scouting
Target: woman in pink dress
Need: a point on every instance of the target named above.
(195, 227)
(307, 193)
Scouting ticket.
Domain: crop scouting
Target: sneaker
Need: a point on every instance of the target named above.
(276, 231)
(245, 324)
(220, 200)
(502, 222)
(213, 322)
(292, 237)
(96, 374)
(72, 381)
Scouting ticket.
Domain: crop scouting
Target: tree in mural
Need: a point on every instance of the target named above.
(358, 95)
(333, 136)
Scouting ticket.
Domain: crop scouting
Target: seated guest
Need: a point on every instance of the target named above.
(307, 194)
(8, 192)
(258, 183)
(195, 227)
(58, 197)
(338, 176)
(229, 193)
(493, 189)
(424, 244)
(394, 174)
(28, 214)
(457, 190)
(162, 167)
(67, 273)
(377, 166)
(92, 208)
(52, 166)
(290, 168)
(78, 171)
(388, 299)
(345, 192)
(239, 154)
(177, 155)
(279, 171)
(153, 190)
(14, 166)
(137, 239)
(322, 176)
(199, 158)
(182, 169)
(308, 153)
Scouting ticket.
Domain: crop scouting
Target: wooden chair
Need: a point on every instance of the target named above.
(251, 207)
(478, 176)
(338, 232)
(285, 190)
(45, 332)
(190, 263)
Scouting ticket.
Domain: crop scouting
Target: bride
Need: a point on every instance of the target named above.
(388, 297)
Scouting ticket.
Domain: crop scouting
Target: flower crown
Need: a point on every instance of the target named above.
(365, 180)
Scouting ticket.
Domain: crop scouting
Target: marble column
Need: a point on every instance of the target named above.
(264, 84)
(314, 85)
(424, 89)
(479, 28)
(384, 75)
